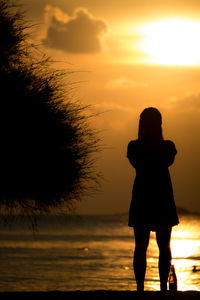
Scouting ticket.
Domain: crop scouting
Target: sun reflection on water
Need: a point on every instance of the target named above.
(185, 246)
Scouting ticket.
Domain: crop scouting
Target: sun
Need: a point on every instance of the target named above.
(170, 42)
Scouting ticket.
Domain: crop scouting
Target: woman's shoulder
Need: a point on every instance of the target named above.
(169, 143)
(133, 144)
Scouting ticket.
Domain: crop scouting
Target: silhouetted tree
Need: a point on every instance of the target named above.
(47, 144)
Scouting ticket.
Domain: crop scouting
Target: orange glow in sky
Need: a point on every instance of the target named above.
(171, 42)
(123, 56)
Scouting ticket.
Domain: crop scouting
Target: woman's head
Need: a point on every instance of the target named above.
(150, 125)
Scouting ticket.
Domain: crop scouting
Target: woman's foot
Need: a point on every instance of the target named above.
(163, 287)
(140, 287)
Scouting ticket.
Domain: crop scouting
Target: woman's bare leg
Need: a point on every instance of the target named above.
(163, 240)
(139, 259)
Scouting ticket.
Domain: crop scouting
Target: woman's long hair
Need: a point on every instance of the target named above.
(150, 125)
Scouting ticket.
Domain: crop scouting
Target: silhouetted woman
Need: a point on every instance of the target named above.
(152, 207)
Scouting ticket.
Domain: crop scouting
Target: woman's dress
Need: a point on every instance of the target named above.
(152, 204)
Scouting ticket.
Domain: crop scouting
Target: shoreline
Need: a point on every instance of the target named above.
(101, 295)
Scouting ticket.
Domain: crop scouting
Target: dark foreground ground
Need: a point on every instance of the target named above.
(100, 295)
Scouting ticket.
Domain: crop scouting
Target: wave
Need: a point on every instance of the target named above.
(193, 257)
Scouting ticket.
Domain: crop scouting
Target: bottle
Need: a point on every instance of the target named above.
(172, 279)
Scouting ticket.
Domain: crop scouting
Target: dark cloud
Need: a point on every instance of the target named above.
(81, 33)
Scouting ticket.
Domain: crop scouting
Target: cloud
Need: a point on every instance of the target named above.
(80, 33)
(190, 102)
(112, 106)
(123, 83)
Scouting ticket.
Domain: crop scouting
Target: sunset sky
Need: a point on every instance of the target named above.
(129, 55)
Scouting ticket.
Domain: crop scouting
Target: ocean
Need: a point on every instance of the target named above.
(90, 253)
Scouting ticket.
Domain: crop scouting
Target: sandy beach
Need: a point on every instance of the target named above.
(101, 295)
